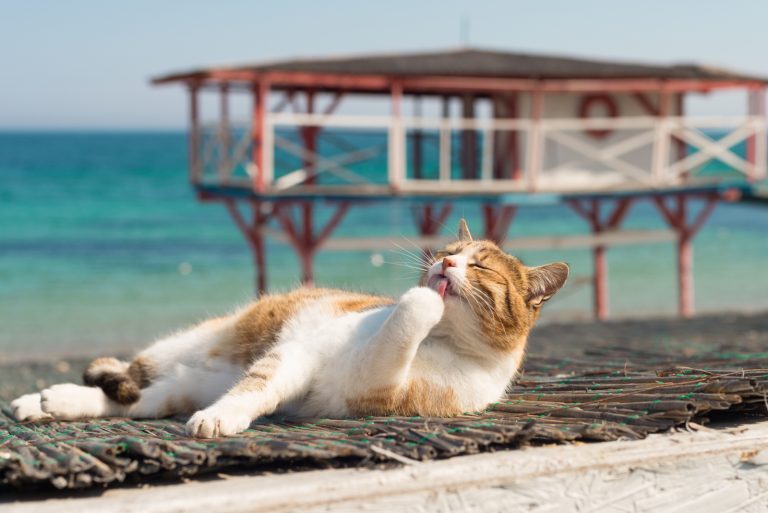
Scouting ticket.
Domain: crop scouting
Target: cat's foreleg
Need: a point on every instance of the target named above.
(387, 358)
(277, 377)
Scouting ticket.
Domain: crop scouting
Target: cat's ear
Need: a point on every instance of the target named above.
(464, 235)
(544, 281)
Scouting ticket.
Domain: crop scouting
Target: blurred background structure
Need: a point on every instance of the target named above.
(594, 135)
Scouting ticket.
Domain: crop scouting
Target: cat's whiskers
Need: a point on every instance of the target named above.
(417, 259)
(488, 307)
(407, 265)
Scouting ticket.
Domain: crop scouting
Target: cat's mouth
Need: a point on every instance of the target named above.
(440, 284)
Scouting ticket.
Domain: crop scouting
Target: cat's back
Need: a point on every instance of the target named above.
(259, 326)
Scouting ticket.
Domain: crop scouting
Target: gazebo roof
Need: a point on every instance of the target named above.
(473, 63)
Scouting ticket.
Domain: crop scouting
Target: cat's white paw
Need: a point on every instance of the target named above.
(27, 407)
(69, 401)
(215, 421)
(425, 303)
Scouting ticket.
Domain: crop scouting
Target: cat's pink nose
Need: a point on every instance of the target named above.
(448, 262)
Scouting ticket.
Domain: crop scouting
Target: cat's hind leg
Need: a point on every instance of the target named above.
(27, 408)
(68, 401)
(181, 393)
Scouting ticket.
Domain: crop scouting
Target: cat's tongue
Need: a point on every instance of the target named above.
(439, 284)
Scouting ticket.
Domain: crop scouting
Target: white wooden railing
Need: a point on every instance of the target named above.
(553, 154)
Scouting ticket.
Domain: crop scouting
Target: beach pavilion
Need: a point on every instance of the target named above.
(500, 128)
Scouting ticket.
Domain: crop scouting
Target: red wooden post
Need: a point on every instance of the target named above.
(591, 212)
(254, 237)
(260, 92)
(512, 137)
(195, 170)
(428, 221)
(396, 173)
(678, 219)
(468, 140)
(684, 260)
(303, 239)
(535, 149)
(224, 135)
(309, 137)
(506, 160)
(497, 221)
(600, 270)
(417, 141)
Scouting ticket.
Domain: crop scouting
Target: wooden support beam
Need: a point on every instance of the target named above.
(224, 133)
(497, 220)
(301, 235)
(254, 236)
(195, 165)
(429, 220)
(418, 139)
(676, 217)
(468, 140)
(590, 211)
(260, 91)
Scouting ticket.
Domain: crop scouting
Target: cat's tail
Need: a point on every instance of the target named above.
(115, 378)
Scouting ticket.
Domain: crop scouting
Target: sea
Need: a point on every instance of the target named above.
(104, 248)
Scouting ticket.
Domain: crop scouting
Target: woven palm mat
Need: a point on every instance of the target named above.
(601, 395)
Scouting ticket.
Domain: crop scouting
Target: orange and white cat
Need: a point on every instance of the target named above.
(448, 346)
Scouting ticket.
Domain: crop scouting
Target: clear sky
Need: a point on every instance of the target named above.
(86, 64)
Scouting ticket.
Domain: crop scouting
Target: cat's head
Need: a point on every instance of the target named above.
(477, 279)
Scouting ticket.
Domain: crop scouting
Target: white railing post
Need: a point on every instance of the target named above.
(757, 109)
(761, 149)
(269, 150)
(536, 134)
(486, 170)
(661, 147)
(396, 143)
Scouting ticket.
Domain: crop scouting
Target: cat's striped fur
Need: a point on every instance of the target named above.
(449, 346)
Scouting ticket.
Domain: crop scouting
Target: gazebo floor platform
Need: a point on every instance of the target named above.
(625, 384)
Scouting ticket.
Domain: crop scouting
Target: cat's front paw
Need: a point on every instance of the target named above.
(425, 304)
(214, 421)
(27, 408)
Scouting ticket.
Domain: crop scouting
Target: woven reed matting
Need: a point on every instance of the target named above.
(601, 395)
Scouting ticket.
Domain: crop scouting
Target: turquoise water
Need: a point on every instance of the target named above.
(103, 246)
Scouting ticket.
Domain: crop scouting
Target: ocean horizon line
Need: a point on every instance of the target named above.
(90, 130)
